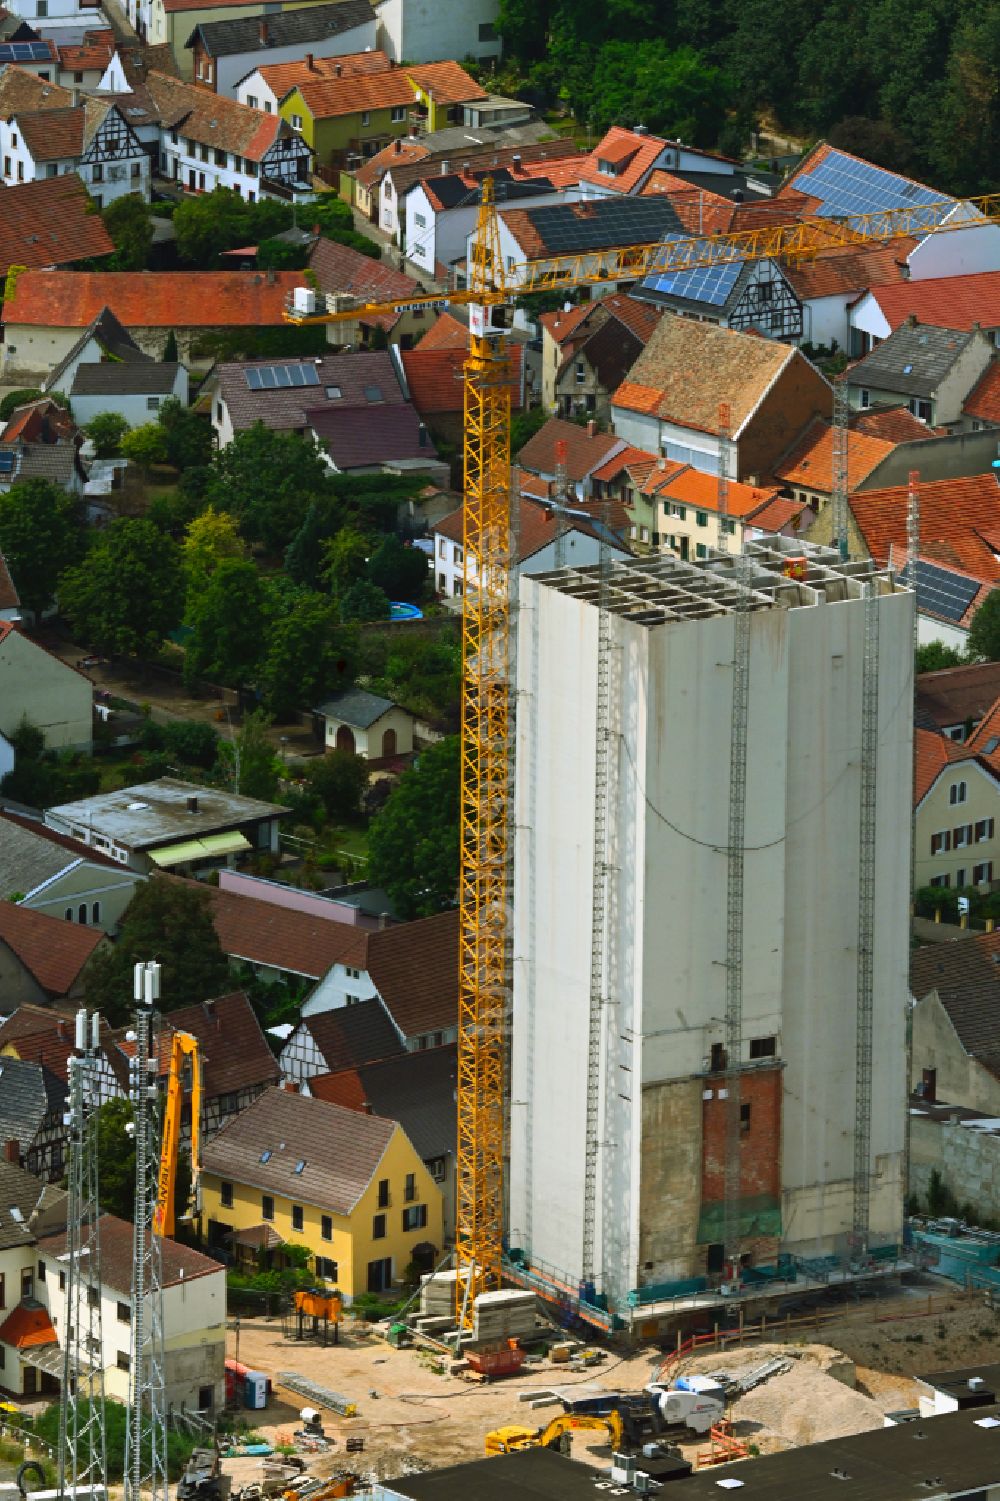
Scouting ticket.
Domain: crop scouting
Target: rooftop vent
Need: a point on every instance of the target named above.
(192, 804)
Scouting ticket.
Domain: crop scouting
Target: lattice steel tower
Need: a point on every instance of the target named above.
(146, 1434)
(82, 1445)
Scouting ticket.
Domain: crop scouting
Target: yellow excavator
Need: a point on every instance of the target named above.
(557, 1434)
(182, 1045)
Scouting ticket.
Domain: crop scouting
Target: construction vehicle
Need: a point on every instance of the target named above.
(182, 1045)
(557, 1434)
(696, 1402)
(484, 899)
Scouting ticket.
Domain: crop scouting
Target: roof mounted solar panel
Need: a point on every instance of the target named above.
(252, 377)
(939, 592)
(283, 376)
(268, 379)
(310, 375)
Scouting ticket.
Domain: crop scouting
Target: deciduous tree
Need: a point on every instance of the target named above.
(228, 624)
(127, 594)
(309, 652)
(267, 480)
(106, 431)
(413, 847)
(39, 538)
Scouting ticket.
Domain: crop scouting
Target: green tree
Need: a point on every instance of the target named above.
(524, 425)
(413, 844)
(248, 762)
(364, 602)
(213, 222)
(15, 399)
(282, 255)
(116, 1158)
(934, 655)
(228, 626)
(106, 432)
(127, 594)
(39, 537)
(399, 571)
(984, 632)
(171, 921)
(129, 223)
(309, 652)
(267, 479)
(169, 355)
(339, 779)
(145, 446)
(305, 558)
(188, 434)
(346, 558)
(211, 539)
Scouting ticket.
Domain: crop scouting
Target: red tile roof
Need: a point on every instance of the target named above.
(931, 754)
(986, 732)
(50, 222)
(810, 462)
(180, 1263)
(338, 268)
(51, 950)
(280, 937)
(585, 451)
(234, 1051)
(436, 378)
(214, 120)
(27, 1328)
(636, 152)
(445, 82)
(629, 459)
(699, 210)
(960, 516)
(774, 515)
(22, 92)
(397, 152)
(331, 98)
(561, 324)
(848, 269)
(166, 299)
(894, 424)
(953, 695)
(281, 78)
(90, 55)
(945, 301)
(538, 524)
(448, 332)
(696, 488)
(983, 401)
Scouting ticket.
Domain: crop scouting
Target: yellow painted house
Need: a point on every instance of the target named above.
(347, 120)
(348, 1186)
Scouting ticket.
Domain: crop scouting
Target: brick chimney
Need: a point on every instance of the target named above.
(591, 428)
(263, 31)
(310, 66)
(12, 1151)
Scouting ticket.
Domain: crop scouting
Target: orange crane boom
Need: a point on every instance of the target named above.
(485, 757)
(182, 1045)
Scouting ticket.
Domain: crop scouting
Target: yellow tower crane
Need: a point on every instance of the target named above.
(485, 754)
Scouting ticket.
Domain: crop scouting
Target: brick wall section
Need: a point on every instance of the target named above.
(798, 395)
(760, 1164)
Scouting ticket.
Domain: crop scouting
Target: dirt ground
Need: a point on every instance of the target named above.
(412, 1415)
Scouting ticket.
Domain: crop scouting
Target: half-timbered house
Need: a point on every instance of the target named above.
(92, 139)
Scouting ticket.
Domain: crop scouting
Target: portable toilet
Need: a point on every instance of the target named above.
(255, 1390)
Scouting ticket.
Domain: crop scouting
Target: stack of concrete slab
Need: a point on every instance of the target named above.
(504, 1315)
(437, 1295)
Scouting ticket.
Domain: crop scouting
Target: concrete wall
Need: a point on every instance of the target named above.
(966, 1156)
(934, 458)
(672, 697)
(961, 1080)
(423, 31)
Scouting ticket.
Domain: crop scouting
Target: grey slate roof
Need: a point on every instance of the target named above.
(365, 438)
(28, 1093)
(27, 859)
(313, 23)
(52, 461)
(20, 1194)
(288, 408)
(914, 359)
(340, 1149)
(180, 1262)
(356, 707)
(113, 379)
(110, 333)
(418, 1091)
(966, 976)
(351, 1035)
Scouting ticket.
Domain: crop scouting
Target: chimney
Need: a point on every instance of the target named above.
(291, 1086)
(12, 1151)
(263, 31)
(337, 69)
(63, 1032)
(397, 146)
(383, 919)
(192, 804)
(591, 428)
(310, 68)
(422, 436)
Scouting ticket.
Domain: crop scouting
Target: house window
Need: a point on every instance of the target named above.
(326, 1227)
(205, 1398)
(420, 221)
(20, 173)
(296, 122)
(378, 1227)
(436, 1169)
(383, 1193)
(6, 166)
(97, 173)
(744, 1120)
(729, 527)
(487, 31)
(415, 1218)
(267, 1207)
(352, 1000)
(940, 880)
(984, 830)
(252, 101)
(763, 1047)
(353, 974)
(152, 403)
(680, 512)
(962, 836)
(864, 397)
(941, 841)
(69, 914)
(982, 872)
(42, 9)
(701, 551)
(644, 534)
(960, 876)
(920, 409)
(326, 1269)
(95, 912)
(410, 1189)
(957, 792)
(701, 517)
(62, 1286)
(398, 113)
(122, 1360)
(123, 1313)
(717, 1058)
(41, 1271)
(442, 548)
(297, 1217)
(226, 1195)
(77, 77)
(366, 117)
(82, 913)
(27, 1283)
(581, 372)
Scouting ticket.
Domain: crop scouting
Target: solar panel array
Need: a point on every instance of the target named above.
(945, 594)
(280, 377)
(711, 285)
(25, 52)
(846, 187)
(574, 228)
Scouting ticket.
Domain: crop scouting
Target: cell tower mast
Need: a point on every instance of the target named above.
(146, 1434)
(82, 1444)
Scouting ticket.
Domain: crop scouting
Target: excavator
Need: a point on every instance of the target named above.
(557, 1434)
(182, 1045)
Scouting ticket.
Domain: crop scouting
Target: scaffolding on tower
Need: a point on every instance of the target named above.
(146, 1430)
(867, 829)
(82, 1454)
(841, 477)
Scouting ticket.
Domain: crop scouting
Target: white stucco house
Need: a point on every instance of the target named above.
(36, 685)
(135, 391)
(421, 31)
(365, 724)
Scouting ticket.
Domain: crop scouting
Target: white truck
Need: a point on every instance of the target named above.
(696, 1402)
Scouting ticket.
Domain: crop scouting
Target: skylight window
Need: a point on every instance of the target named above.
(907, 369)
(265, 1156)
(374, 393)
(300, 1165)
(333, 393)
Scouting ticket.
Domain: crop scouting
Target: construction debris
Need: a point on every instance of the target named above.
(321, 1396)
